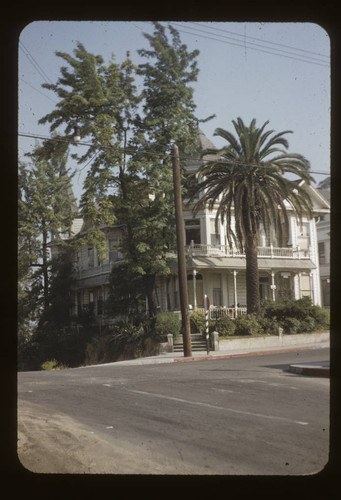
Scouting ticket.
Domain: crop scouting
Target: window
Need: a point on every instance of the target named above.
(264, 287)
(215, 236)
(325, 292)
(305, 285)
(91, 256)
(192, 229)
(322, 253)
(114, 253)
(304, 235)
(217, 295)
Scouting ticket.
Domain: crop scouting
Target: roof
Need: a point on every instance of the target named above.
(203, 144)
(325, 193)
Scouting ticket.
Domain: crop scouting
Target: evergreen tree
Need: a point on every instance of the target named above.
(168, 116)
(129, 154)
(102, 101)
(44, 209)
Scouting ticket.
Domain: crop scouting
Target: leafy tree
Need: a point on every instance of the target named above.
(129, 153)
(246, 181)
(44, 209)
(168, 116)
(102, 101)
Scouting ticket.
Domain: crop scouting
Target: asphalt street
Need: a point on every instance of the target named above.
(242, 415)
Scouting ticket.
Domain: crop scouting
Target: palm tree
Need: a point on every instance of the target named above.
(245, 179)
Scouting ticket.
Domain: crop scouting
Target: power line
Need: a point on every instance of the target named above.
(262, 40)
(241, 44)
(132, 150)
(37, 90)
(34, 63)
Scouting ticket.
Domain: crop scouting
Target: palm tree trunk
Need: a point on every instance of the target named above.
(252, 276)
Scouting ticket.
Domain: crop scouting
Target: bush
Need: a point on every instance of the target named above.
(165, 323)
(290, 325)
(247, 325)
(301, 310)
(225, 326)
(269, 326)
(321, 316)
(307, 325)
(52, 364)
(198, 323)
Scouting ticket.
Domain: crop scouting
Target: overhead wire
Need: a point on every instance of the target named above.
(131, 150)
(244, 36)
(240, 43)
(37, 90)
(34, 63)
(196, 30)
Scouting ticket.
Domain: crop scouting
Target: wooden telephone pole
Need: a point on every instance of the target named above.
(186, 329)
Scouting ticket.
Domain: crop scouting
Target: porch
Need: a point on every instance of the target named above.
(199, 249)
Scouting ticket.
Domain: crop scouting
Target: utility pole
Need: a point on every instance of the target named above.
(186, 329)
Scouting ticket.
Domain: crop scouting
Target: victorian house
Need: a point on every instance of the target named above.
(213, 268)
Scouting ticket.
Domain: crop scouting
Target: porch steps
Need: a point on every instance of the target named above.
(197, 340)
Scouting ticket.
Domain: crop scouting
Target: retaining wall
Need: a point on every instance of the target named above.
(273, 341)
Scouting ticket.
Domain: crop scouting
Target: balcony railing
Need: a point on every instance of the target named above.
(263, 252)
(82, 270)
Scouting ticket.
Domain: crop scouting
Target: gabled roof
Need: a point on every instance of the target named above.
(203, 143)
(320, 204)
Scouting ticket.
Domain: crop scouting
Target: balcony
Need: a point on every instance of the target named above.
(263, 252)
(82, 270)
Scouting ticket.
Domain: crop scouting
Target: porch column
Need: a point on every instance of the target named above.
(273, 286)
(235, 291)
(194, 290)
(312, 294)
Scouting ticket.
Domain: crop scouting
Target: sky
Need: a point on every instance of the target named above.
(268, 71)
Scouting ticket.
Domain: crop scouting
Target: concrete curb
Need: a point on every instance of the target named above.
(311, 369)
(172, 357)
(254, 353)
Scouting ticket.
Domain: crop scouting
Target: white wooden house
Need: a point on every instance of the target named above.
(212, 267)
(323, 237)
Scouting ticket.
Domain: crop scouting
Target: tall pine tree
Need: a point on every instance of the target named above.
(45, 210)
(102, 101)
(168, 116)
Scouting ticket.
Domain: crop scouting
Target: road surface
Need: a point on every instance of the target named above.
(243, 415)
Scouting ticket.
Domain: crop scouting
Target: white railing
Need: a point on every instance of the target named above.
(82, 271)
(217, 312)
(271, 252)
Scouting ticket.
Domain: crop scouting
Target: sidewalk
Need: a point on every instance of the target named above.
(312, 369)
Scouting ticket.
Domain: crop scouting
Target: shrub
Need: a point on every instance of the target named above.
(225, 326)
(198, 323)
(307, 325)
(321, 316)
(247, 325)
(269, 326)
(300, 310)
(52, 364)
(290, 325)
(165, 323)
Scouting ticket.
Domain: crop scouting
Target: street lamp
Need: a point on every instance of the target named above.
(77, 134)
